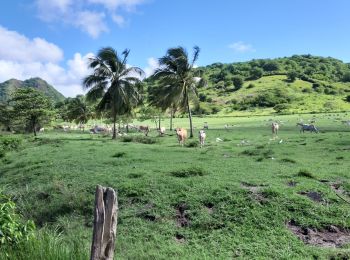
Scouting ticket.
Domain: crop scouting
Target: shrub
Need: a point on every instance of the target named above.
(13, 229)
(306, 173)
(251, 85)
(192, 144)
(10, 142)
(119, 154)
(139, 139)
(237, 82)
(190, 172)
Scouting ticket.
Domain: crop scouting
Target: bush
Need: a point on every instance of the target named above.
(251, 85)
(306, 173)
(190, 172)
(10, 142)
(13, 229)
(292, 76)
(237, 82)
(279, 108)
(192, 144)
(139, 139)
(347, 98)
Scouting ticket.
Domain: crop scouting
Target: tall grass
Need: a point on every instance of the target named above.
(47, 245)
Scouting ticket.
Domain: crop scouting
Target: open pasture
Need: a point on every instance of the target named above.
(244, 195)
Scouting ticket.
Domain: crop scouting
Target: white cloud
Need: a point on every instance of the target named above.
(91, 23)
(16, 47)
(22, 58)
(83, 15)
(152, 66)
(241, 47)
(118, 19)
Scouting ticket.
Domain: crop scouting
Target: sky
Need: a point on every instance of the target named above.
(53, 39)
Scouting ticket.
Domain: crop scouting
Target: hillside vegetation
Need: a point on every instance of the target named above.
(9, 86)
(295, 84)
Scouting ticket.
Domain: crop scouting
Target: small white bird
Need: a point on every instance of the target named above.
(280, 141)
(219, 139)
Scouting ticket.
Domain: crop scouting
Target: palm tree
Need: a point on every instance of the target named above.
(177, 80)
(78, 110)
(113, 83)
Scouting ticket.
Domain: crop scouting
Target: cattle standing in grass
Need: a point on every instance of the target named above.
(181, 135)
(201, 136)
(41, 130)
(144, 129)
(275, 127)
(205, 126)
(305, 127)
(162, 131)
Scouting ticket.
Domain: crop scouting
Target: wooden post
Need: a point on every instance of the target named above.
(105, 224)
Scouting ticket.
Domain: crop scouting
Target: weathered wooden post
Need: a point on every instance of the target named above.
(105, 224)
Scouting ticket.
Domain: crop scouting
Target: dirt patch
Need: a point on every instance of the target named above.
(182, 217)
(313, 195)
(331, 236)
(209, 206)
(146, 213)
(180, 238)
(255, 190)
(336, 186)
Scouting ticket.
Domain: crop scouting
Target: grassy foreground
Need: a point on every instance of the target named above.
(230, 199)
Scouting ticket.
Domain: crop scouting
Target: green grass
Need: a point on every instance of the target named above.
(53, 179)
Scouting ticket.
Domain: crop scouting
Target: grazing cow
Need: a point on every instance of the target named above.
(181, 135)
(144, 129)
(274, 127)
(42, 129)
(66, 128)
(205, 126)
(201, 136)
(162, 131)
(98, 129)
(304, 127)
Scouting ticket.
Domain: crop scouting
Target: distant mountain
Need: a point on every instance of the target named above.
(9, 86)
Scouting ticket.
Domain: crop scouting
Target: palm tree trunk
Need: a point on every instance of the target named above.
(189, 115)
(114, 123)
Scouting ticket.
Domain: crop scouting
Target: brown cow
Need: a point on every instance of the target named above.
(181, 135)
(144, 128)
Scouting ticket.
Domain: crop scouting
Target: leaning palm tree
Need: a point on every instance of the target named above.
(177, 80)
(113, 83)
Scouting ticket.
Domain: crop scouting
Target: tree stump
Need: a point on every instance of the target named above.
(105, 224)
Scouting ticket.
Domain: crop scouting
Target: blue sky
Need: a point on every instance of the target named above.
(53, 38)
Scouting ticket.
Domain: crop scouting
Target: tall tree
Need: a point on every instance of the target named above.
(113, 83)
(177, 79)
(31, 108)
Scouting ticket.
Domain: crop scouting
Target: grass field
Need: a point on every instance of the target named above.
(237, 198)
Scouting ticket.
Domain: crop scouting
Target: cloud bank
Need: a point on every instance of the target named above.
(90, 16)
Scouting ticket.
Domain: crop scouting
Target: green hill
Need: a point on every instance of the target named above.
(9, 86)
(290, 85)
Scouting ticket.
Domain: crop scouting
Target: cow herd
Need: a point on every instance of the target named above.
(181, 133)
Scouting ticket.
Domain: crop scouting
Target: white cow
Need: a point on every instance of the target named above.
(201, 136)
